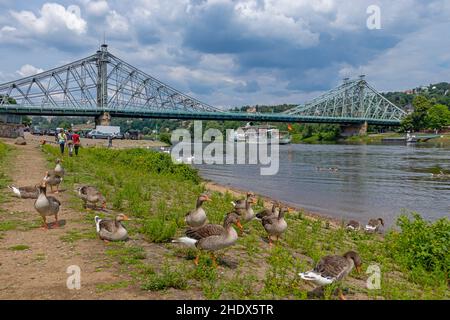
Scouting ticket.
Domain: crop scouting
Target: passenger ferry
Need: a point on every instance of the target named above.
(251, 133)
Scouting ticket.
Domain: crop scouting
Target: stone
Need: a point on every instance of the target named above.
(20, 141)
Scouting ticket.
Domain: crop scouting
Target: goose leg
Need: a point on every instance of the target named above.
(214, 261)
(196, 259)
(270, 241)
(341, 295)
(57, 189)
(56, 225)
(44, 226)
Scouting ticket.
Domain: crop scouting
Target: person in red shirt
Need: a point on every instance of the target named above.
(76, 142)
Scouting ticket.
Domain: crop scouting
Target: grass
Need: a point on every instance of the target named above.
(19, 247)
(156, 194)
(103, 287)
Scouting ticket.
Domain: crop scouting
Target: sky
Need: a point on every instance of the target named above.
(233, 53)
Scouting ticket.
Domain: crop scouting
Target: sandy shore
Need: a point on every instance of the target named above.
(117, 144)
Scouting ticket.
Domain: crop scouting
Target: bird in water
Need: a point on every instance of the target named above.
(333, 268)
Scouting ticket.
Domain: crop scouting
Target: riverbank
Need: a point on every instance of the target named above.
(156, 194)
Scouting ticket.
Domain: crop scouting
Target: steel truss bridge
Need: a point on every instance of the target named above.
(104, 84)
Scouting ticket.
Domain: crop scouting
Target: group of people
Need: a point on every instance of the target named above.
(69, 138)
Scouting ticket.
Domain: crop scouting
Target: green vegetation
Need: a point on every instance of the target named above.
(156, 194)
(19, 247)
(427, 114)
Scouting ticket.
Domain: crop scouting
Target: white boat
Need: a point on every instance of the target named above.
(252, 134)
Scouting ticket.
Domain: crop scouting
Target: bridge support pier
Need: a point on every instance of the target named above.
(359, 129)
(11, 126)
(103, 119)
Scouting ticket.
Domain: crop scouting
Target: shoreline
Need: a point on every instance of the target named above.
(311, 215)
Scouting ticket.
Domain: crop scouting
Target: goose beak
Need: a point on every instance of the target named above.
(358, 269)
(290, 210)
(239, 225)
(104, 205)
(126, 218)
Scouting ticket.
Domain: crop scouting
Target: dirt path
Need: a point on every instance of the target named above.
(38, 271)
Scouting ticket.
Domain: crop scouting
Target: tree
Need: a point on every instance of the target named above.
(438, 116)
(417, 119)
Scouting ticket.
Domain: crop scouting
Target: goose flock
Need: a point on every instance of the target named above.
(199, 234)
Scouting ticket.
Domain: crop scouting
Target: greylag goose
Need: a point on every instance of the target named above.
(197, 217)
(352, 225)
(52, 179)
(92, 195)
(333, 268)
(59, 170)
(275, 226)
(212, 237)
(241, 203)
(27, 192)
(246, 214)
(267, 212)
(47, 205)
(111, 230)
(374, 225)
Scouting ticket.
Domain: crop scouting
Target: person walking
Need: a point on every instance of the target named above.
(70, 142)
(76, 142)
(62, 140)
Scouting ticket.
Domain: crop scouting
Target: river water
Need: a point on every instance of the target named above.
(371, 181)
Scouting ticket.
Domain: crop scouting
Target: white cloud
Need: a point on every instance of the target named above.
(117, 22)
(96, 8)
(422, 57)
(28, 70)
(52, 18)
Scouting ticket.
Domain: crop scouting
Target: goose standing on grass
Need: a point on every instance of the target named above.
(47, 205)
(212, 237)
(111, 230)
(352, 225)
(92, 195)
(333, 268)
(269, 212)
(59, 170)
(52, 179)
(246, 214)
(27, 192)
(241, 203)
(197, 217)
(374, 225)
(275, 225)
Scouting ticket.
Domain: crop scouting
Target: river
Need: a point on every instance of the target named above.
(372, 180)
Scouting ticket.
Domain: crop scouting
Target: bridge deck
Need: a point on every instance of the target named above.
(189, 115)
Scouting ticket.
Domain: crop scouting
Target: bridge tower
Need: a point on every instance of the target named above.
(104, 118)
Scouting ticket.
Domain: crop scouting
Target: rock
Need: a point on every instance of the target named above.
(20, 141)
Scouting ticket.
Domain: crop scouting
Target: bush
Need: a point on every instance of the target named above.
(421, 244)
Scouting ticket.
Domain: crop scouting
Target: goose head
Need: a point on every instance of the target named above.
(283, 211)
(42, 187)
(380, 220)
(58, 161)
(232, 218)
(202, 198)
(352, 255)
(122, 217)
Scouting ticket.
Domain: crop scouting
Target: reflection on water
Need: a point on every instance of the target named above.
(371, 180)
